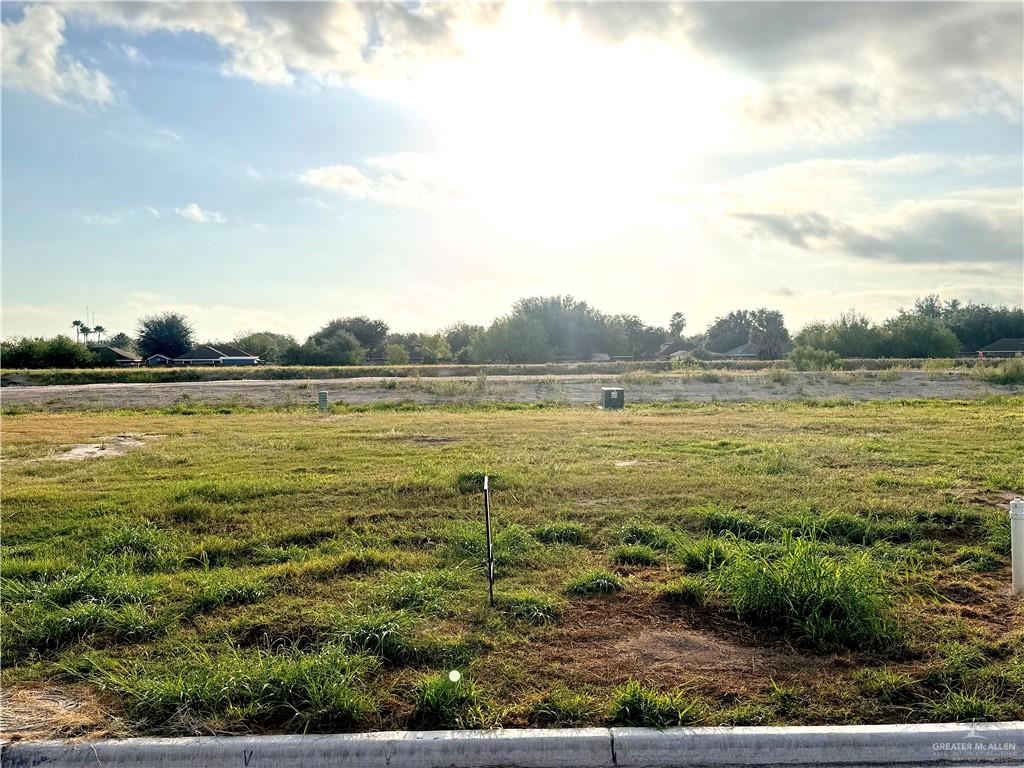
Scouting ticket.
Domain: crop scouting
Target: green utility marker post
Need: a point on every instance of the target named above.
(613, 397)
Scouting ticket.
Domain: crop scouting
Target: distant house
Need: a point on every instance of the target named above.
(1003, 348)
(749, 352)
(222, 354)
(158, 359)
(670, 348)
(108, 355)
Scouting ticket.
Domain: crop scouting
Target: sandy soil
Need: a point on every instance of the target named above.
(459, 389)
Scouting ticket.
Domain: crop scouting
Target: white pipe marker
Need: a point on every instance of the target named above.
(1017, 544)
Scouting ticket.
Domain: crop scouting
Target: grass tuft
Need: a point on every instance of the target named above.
(635, 704)
(560, 533)
(440, 703)
(636, 554)
(595, 583)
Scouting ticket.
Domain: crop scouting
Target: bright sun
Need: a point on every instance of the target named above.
(540, 122)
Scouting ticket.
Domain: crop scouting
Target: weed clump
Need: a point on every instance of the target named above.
(560, 533)
(822, 599)
(595, 583)
(384, 634)
(635, 704)
(439, 702)
(977, 559)
(636, 554)
(562, 708)
(686, 590)
(636, 532)
(705, 554)
(238, 689)
(528, 608)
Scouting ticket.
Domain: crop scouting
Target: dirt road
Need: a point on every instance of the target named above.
(857, 385)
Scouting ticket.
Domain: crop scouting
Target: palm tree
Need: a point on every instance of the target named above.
(77, 325)
(100, 330)
(86, 330)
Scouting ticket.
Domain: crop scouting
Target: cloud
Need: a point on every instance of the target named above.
(33, 61)
(406, 179)
(947, 230)
(193, 212)
(330, 43)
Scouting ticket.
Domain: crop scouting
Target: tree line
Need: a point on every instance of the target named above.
(553, 328)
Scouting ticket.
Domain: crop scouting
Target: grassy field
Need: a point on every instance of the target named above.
(246, 570)
(48, 377)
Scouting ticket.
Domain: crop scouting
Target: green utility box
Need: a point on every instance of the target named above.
(613, 397)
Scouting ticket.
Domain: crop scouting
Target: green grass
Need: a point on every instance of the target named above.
(636, 554)
(638, 705)
(817, 598)
(276, 570)
(595, 583)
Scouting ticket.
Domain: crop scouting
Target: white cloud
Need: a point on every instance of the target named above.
(152, 211)
(842, 207)
(193, 212)
(33, 61)
(407, 180)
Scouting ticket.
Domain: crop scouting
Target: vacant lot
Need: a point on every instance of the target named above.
(641, 387)
(189, 571)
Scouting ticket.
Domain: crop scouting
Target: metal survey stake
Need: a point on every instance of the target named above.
(490, 543)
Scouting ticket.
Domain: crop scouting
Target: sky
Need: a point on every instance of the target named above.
(271, 166)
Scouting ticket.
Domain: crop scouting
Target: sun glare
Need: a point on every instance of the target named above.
(541, 124)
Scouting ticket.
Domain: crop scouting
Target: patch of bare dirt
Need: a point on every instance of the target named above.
(110, 447)
(610, 641)
(39, 714)
(991, 498)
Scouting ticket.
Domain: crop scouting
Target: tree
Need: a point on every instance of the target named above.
(86, 332)
(852, 335)
(121, 341)
(395, 354)
(369, 333)
(515, 339)
(274, 348)
(460, 338)
(643, 340)
(728, 332)
(100, 330)
(77, 325)
(58, 352)
(768, 333)
(677, 324)
(918, 336)
(332, 345)
(164, 334)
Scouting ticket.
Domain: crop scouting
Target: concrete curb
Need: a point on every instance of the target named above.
(848, 746)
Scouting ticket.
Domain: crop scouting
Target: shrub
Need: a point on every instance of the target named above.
(560, 533)
(1006, 373)
(635, 704)
(647, 534)
(822, 599)
(635, 554)
(440, 703)
(595, 583)
(811, 359)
